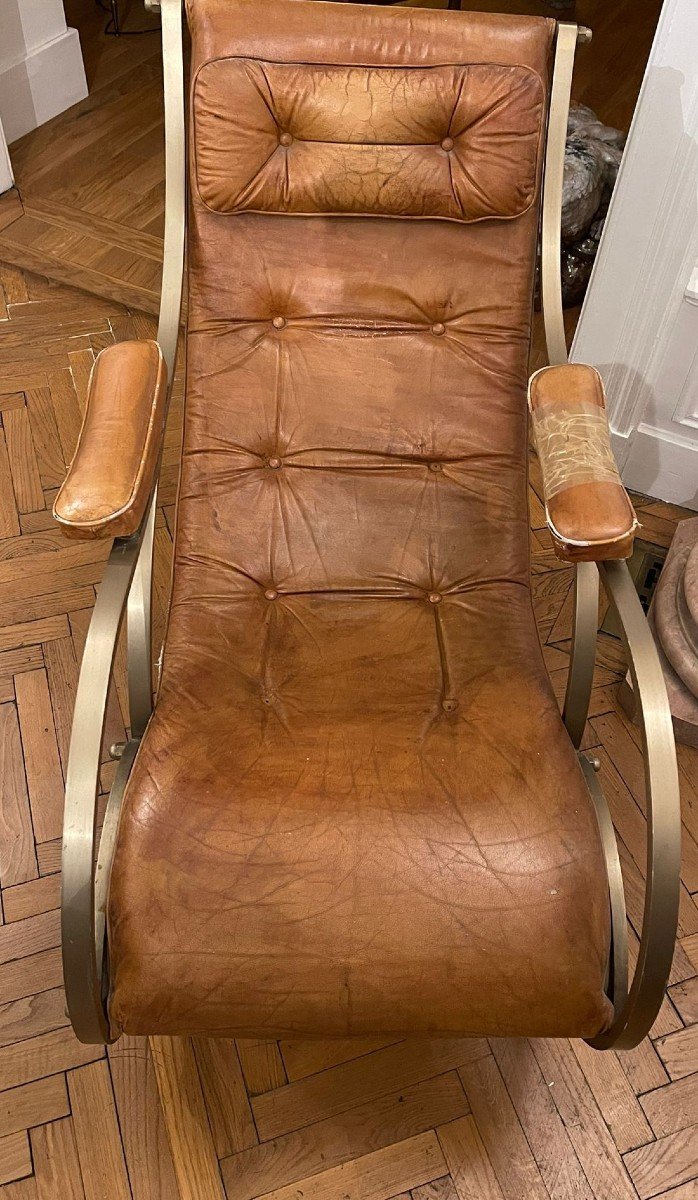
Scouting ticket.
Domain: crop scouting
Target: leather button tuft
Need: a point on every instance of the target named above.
(274, 463)
(270, 594)
(449, 705)
(285, 139)
(438, 328)
(447, 143)
(434, 466)
(434, 597)
(278, 322)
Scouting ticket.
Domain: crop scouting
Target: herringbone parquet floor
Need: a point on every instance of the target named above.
(368, 1120)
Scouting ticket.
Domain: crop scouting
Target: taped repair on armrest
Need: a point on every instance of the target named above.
(587, 508)
(110, 480)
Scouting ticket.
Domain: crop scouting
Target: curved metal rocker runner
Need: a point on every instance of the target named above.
(565, 408)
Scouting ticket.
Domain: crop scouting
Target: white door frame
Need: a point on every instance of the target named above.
(639, 322)
(7, 179)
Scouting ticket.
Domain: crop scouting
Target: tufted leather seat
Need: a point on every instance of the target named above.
(356, 808)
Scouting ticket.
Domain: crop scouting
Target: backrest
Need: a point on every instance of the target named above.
(364, 209)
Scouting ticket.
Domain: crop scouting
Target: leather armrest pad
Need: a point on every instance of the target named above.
(110, 479)
(588, 510)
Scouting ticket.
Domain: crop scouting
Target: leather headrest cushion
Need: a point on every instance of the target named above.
(456, 142)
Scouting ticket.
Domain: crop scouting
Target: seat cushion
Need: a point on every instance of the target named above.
(356, 808)
(366, 817)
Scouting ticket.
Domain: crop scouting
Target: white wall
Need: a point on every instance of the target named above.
(6, 177)
(639, 324)
(41, 69)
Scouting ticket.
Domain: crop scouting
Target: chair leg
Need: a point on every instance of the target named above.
(186, 1120)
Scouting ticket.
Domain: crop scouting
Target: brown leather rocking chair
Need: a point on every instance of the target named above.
(354, 807)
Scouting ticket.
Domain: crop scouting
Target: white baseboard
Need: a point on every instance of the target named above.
(659, 463)
(6, 176)
(38, 87)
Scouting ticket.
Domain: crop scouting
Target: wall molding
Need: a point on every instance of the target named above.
(41, 67)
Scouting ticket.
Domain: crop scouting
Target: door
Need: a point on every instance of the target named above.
(639, 323)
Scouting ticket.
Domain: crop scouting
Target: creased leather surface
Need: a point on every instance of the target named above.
(110, 479)
(588, 509)
(456, 142)
(356, 808)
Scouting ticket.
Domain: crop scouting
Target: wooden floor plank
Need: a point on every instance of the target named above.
(616, 1099)
(336, 1140)
(225, 1095)
(262, 1065)
(41, 758)
(308, 1056)
(141, 1121)
(29, 975)
(21, 1189)
(545, 1132)
(664, 1164)
(18, 862)
(97, 1136)
(15, 1157)
(9, 518)
(56, 1164)
(673, 1107)
(500, 1129)
(679, 1052)
(380, 1175)
(333, 1091)
(468, 1161)
(44, 1055)
(29, 936)
(191, 1142)
(32, 898)
(33, 1104)
(32, 1015)
(591, 1138)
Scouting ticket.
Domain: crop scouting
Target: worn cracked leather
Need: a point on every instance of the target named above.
(589, 512)
(110, 479)
(356, 808)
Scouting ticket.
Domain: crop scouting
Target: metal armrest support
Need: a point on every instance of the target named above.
(126, 586)
(635, 1009)
(82, 935)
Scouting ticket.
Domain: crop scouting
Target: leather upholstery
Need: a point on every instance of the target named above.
(455, 141)
(356, 808)
(589, 515)
(109, 481)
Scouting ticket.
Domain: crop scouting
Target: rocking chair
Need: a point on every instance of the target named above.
(353, 807)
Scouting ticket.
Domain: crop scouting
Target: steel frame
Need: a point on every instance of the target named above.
(126, 586)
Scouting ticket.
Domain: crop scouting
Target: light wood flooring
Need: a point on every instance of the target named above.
(88, 209)
(299, 1120)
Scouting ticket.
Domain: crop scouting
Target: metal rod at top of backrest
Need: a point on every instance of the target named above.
(568, 35)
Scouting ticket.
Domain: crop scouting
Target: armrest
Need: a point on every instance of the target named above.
(587, 507)
(111, 477)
